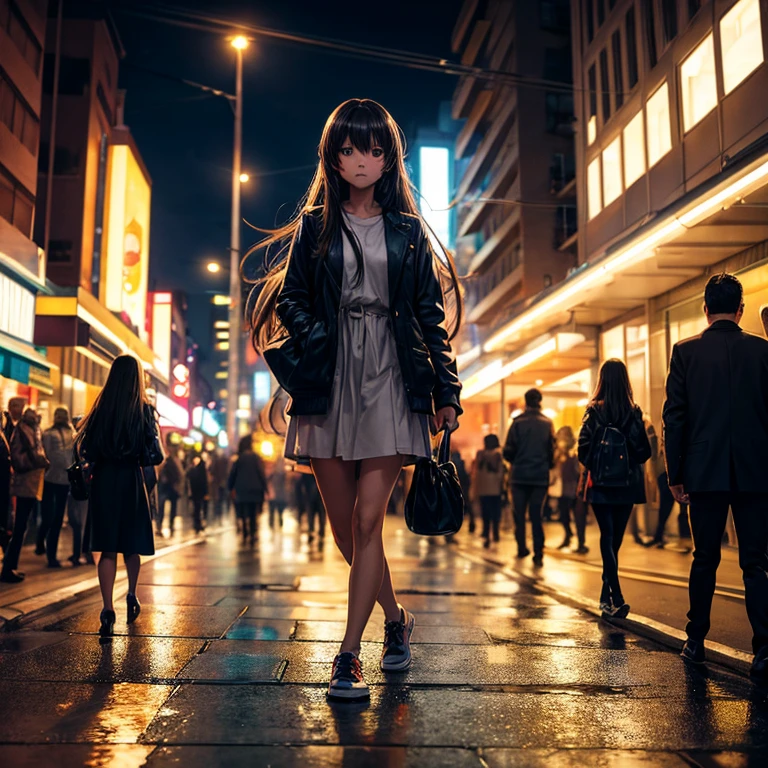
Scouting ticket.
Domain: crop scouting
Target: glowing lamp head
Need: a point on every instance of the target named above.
(244, 177)
(240, 42)
(213, 267)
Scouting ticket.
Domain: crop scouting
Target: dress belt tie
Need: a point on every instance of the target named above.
(359, 310)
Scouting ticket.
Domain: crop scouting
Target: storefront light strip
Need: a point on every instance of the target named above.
(467, 358)
(640, 251)
(92, 356)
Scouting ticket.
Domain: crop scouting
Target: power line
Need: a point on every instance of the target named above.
(176, 16)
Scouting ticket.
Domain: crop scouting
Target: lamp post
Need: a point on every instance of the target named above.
(240, 43)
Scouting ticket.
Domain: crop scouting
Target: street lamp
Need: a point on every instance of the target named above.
(244, 178)
(213, 267)
(239, 43)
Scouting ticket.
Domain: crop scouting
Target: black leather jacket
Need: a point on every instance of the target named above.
(308, 308)
(530, 448)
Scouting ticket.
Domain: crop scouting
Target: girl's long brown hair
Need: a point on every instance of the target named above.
(114, 427)
(367, 124)
(613, 394)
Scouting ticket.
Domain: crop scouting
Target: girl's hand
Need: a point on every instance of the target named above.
(445, 418)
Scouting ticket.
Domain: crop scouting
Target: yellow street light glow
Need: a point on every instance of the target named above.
(240, 42)
(244, 177)
(221, 324)
(220, 375)
(213, 267)
(223, 346)
(222, 335)
(220, 301)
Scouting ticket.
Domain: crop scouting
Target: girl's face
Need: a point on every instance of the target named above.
(360, 169)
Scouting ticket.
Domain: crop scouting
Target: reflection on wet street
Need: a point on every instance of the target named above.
(229, 662)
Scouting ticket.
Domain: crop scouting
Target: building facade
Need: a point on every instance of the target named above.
(24, 370)
(514, 190)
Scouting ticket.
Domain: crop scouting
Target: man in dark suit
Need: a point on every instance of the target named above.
(716, 439)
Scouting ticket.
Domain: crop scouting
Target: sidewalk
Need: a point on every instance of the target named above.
(45, 590)
(228, 665)
(654, 581)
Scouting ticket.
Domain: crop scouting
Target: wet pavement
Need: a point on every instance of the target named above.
(229, 661)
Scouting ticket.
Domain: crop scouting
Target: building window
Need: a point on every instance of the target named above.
(18, 30)
(618, 69)
(693, 8)
(594, 198)
(555, 15)
(669, 20)
(74, 75)
(741, 42)
(59, 252)
(629, 26)
(650, 31)
(605, 85)
(612, 188)
(698, 85)
(592, 122)
(18, 117)
(17, 206)
(657, 125)
(6, 197)
(590, 21)
(559, 108)
(634, 150)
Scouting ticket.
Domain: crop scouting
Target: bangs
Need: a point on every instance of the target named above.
(365, 126)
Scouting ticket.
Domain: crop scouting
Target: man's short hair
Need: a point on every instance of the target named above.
(533, 398)
(723, 295)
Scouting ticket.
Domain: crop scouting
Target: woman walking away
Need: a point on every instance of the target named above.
(29, 464)
(353, 325)
(567, 467)
(248, 485)
(488, 483)
(119, 436)
(613, 446)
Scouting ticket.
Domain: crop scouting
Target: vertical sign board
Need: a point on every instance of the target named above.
(124, 283)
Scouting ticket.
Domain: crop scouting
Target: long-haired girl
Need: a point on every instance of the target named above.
(353, 325)
(613, 446)
(119, 436)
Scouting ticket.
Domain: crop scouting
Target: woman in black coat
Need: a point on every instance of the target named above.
(613, 446)
(119, 437)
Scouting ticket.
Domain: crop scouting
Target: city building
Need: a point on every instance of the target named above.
(23, 369)
(514, 189)
(96, 233)
(671, 175)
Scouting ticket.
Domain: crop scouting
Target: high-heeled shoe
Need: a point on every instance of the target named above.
(134, 607)
(107, 619)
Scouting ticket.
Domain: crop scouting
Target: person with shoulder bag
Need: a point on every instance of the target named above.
(613, 446)
(488, 481)
(58, 441)
(29, 463)
(120, 436)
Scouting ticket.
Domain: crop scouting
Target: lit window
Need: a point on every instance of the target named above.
(612, 171)
(657, 125)
(697, 83)
(741, 42)
(634, 150)
(594, 200)
(435, 188)
(592, 129)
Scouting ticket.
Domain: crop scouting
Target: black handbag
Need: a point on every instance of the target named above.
(152, 452)
(79, 474)
(435, 504)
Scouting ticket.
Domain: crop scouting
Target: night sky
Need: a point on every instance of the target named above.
(186, 137)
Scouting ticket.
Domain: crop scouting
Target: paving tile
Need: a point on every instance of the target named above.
(159, 620)
(261, 629)
(234, 668)
(76, 755)
(578, 758)
(207, 714)
(81, 658)
(21, 642)
(333, 631)
(76, 712)
(316, 757)
(177, 595)
(572, 633)
(727, 759)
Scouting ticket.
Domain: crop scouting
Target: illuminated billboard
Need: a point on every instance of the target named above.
(435, 189)
(124, 286)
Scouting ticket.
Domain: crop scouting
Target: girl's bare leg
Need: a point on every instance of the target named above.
(377, 478)
(132, 565)
(338, 488)
(107, 569)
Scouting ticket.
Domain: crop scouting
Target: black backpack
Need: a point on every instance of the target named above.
(610, 456)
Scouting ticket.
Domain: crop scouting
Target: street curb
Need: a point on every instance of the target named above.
(717, 653)
(19, 614)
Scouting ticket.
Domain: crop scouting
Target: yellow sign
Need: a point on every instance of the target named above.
(124, 281)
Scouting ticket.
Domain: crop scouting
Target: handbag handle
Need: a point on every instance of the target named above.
(444, 451)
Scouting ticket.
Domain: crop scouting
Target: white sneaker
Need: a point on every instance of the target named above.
(347, 678)
(396, 656)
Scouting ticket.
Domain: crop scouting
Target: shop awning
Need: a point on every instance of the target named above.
(722, 216)
(22, 362)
